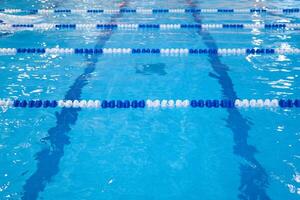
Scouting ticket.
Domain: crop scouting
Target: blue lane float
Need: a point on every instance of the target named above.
(177, 103)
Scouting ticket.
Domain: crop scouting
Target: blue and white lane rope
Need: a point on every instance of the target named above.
(48, 26)
(178, 103)
(152, 11)
(152, 51)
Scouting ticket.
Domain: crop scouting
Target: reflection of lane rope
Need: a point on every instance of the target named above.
(150, 51)
(177, 103)
(153, 11)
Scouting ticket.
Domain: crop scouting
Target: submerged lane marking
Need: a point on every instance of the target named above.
(254, 179)
(48, 158)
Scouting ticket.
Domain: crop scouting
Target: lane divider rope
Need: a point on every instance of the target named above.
(48, 26)
(147, 51)
(153, 11)
(224, 103)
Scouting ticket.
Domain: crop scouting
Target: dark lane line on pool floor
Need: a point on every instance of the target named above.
(48, 158)
(254, 179)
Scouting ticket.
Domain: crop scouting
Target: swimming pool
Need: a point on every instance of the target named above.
(162, 78)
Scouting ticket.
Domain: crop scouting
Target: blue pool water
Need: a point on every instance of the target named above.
(180, 153)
